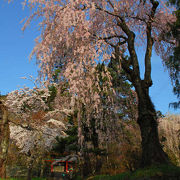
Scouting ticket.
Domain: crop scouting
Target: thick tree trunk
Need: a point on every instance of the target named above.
(152, 152)
(86, 165)
(4, 139)
(29, 174)
(42, 170)
(82, 141)
(98, 164)
(30, 168)
(95, 143)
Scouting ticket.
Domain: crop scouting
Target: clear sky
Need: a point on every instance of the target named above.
(16, 46)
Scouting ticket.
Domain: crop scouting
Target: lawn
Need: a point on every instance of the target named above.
(154, 172)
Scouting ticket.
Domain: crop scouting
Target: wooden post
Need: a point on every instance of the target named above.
(4, 139)
(66, 166)
(51, 167)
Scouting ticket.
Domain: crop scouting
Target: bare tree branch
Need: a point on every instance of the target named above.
(148, 54)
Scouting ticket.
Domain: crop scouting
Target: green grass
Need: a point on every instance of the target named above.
(153, 171)
(163, 170)
(24, 178)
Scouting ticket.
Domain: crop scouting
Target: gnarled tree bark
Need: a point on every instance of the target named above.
(152, 152)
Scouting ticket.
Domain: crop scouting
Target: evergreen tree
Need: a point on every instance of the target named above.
(173, 64)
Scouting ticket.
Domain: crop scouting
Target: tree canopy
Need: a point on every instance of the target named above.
(77, 34)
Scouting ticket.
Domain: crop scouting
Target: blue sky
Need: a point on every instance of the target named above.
(15, 47)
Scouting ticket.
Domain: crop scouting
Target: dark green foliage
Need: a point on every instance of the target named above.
(70, 143)
(118, 76)
(53, 92)
(175, 2)
(173, 64)
(125, 98)
(56, 75)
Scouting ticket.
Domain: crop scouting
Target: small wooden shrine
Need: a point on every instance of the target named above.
(63, 165)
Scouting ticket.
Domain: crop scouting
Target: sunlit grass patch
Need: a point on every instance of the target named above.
(163, 170)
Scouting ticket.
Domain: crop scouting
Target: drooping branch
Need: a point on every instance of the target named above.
(115, 36)
(138, 18)
(106, 39)
(125, 63)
